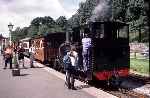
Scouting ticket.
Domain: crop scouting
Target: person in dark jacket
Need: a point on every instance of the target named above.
(21, 55)
(8, 55)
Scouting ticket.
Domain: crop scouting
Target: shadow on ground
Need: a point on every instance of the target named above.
(82, 86)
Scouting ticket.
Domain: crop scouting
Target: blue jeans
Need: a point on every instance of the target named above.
(8, 60)
(87, 59)
(87, 62)
(70, 77)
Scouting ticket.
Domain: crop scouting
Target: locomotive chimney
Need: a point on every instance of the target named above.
(67, 37)
(68, 31)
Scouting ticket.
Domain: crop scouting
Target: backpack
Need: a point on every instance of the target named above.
(67, 62)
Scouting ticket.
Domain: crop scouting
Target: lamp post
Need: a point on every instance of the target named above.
(10, 27)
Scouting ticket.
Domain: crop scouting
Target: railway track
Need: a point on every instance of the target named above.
(136, 77)
(121, 92)
(125, 91)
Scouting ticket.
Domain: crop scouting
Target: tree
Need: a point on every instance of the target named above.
(42, 29)
(83, 14)
(119, 10)
(74, 21)
(19, 33)
(15, 34)
(41, 26)
(32, 31)
(62, 22)
(138, 20)
(36, 21)
(48, 21)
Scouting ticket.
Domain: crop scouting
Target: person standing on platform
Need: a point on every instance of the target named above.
(70, 60)
(86, 53)
(8, 55)
(21, 51)
(32, 53)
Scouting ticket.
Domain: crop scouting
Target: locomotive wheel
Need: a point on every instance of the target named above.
(114, 82)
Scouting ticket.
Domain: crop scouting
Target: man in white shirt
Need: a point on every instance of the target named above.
(74, 57)
(86, 53)
(70, 72)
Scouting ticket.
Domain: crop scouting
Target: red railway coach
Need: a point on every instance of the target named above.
(110, 48)
(46, 47)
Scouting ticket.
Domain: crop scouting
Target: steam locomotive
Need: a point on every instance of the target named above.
(110, 48)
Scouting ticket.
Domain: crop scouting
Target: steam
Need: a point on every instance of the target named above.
(101, 11)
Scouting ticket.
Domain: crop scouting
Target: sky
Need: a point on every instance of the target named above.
(21, 12)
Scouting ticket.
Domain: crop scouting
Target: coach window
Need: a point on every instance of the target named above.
(25, 45)
(38, 44)
(99, 32)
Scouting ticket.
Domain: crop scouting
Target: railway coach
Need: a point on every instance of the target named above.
(46, 47)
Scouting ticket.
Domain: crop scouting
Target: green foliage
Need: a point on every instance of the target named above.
(119, 9)
(36, 21)
(42, 29)
(48, 21)
(32, 31)
(19, 33)
(140, 65)
(74, 21)
(62, 22)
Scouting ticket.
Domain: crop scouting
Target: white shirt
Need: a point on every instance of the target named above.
(74, 58)
(86, 42)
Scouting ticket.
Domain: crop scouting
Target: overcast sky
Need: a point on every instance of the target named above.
(21, 12)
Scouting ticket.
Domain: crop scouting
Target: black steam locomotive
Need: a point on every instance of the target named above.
(110, 48)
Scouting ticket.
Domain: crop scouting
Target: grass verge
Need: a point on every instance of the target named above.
(140, 65)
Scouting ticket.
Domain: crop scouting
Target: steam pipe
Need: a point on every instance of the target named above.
(67, 37)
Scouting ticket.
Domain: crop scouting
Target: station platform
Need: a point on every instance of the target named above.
(42, 82)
